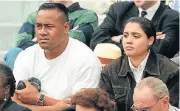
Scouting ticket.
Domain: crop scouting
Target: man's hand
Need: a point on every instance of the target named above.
(160, 35)
(29, 95)
(117, 38)
(62, 104)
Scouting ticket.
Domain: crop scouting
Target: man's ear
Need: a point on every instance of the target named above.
(66, 27)
(166, 100)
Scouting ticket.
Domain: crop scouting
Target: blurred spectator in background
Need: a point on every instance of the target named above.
(165, 20)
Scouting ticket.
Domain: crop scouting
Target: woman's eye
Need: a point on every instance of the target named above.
(124, 36)
(136, 36)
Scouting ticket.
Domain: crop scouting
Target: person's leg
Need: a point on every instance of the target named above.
(11, 55)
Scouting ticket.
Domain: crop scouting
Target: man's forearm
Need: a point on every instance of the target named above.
(40, 108)
(49, 101)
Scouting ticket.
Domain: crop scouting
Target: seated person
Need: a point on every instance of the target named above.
(62, 64)
(165, 20)
(151, 94)
(82, 24)
(120, 77)
(92, 99)
(7, 89)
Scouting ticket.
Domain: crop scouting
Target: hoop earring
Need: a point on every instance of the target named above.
(5, 99)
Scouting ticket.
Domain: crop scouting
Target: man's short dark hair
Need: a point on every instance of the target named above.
(8, 77)
(60, 7)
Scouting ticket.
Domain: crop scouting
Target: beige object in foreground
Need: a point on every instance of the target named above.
(107, 52)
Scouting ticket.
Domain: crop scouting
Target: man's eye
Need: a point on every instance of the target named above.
(49, 26)
(38, 25)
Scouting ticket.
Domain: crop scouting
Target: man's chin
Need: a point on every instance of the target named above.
(44, 47)
(139, 3)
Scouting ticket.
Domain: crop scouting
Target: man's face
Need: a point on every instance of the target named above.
(2, 90)
(51, 29)
(58, 1)
(144, 3)
(144, 100)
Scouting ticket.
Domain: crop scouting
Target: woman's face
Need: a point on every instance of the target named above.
(135, 41)
(1, 88)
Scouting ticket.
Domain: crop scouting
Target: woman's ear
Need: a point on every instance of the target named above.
(151, 41)
(7, 89)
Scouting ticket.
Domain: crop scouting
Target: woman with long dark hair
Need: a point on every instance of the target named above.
(120, 77)
(7, 89)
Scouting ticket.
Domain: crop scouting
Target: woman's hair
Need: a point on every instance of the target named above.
(145, 24)
(93, 98)
(8, 78)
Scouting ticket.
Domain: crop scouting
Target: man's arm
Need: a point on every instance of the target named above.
(84, 26)
(29, 96)
(106, 30)
(169, 46)
(173, 87)
(27, 30)
(57, 107)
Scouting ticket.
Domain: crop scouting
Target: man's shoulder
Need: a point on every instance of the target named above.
(30, 51)
(31, 18)
(122, 5)
(84, 15)
(78, 46)
(81, 51)
(168, 12)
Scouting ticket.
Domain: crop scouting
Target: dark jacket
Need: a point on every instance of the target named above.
(118, 79)
(165, 20)
(12, 106)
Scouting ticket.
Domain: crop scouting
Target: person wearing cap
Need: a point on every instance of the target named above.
(151, 94)
(139, 61)
(165, 20)
(82, 24)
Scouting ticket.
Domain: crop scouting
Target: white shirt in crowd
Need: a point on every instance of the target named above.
(77, 67)
(172, 108)
(151, 11)
(138, 72)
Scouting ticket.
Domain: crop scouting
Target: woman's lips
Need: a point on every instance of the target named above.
(129, 48)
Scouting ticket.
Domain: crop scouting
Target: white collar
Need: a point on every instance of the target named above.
(150, 11)
(142, 65)
(172, 108)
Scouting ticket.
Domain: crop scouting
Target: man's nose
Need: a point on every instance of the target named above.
(43, 31)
